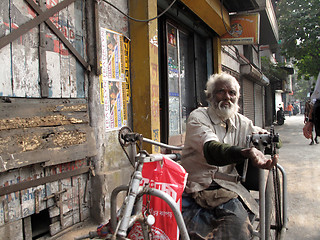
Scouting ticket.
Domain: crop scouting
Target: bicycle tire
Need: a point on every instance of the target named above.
(273, 206)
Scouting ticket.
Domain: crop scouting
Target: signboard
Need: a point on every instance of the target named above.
(244, 30)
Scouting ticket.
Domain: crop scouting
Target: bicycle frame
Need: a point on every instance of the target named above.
(131, 210)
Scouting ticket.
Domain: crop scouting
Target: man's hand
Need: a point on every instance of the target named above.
(307, 130)
(258, 159)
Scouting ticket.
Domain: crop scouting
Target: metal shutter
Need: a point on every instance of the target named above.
(248, 99)
(258, 105)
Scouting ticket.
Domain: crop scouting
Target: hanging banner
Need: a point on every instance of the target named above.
(244, 30)
(114, 80)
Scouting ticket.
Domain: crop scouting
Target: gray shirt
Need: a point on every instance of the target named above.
(204, 125)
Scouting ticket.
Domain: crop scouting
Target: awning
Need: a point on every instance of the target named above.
(252, 73)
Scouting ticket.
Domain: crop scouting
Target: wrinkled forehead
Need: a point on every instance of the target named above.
(225, 85)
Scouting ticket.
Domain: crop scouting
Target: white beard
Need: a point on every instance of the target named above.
(227, 111)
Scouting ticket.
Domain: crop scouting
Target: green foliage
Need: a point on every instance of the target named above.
(299, 29)
(301, 89)
(272, 71)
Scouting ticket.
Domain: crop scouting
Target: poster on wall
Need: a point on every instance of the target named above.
(114, 82)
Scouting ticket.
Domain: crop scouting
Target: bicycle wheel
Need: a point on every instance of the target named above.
(273, 206)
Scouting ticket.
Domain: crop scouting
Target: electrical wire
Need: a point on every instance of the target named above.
(141, 20)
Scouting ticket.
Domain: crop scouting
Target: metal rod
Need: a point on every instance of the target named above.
(162, 144)
(177, 213)
(113, 200)
(246, 161)
(159, 157)
(262, 204)
(284, 199)
(130, 201)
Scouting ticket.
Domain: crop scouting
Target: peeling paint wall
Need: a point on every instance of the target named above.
(46, 141)
(38, 59)
(52, 125)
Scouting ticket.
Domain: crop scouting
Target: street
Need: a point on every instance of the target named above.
(301, 162)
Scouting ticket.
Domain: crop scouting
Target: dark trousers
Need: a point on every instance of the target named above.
(228, 221)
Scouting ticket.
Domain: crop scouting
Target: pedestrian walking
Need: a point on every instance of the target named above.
(308, 121)
(312, 121)
(313, 118)
(290, 108)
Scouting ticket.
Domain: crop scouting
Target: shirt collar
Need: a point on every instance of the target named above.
(216, 120)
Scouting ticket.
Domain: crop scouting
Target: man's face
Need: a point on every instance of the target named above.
(225, 99)
(225, 92)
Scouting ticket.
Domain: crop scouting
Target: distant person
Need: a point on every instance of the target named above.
(312, 121)
(295, 110)
(308, 129)
(280, 116)
(290, 108)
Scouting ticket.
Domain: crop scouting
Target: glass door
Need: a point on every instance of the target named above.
(177, 60)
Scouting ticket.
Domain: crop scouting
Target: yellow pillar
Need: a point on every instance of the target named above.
(217, 66)
(145, 70)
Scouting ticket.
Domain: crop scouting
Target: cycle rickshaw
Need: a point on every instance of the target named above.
(270, 192)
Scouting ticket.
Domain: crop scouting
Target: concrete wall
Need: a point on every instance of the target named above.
(111, 165)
